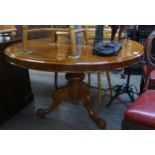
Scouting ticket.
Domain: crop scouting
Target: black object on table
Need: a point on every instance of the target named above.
(107, 48)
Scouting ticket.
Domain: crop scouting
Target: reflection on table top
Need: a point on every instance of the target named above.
(42, 55)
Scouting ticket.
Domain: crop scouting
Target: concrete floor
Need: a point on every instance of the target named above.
(69, 116)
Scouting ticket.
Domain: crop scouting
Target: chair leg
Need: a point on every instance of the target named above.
(56, 79)
(142, 85)
(53, 36)
(85, 37)
(118, 89)
(99, 91)
(100, 101)
(109, 82)
(89, 80)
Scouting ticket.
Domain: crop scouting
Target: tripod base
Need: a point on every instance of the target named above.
(75, 90)
(130, 90)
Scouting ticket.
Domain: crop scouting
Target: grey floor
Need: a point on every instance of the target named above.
(69, 116)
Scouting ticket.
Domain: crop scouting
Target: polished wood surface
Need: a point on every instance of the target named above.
(40, 54)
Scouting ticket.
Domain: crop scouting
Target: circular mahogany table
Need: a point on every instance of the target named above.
(42, 55)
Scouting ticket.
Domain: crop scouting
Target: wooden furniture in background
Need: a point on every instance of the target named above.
(9, 30)
(56, 60)
(70, 30)
(107, 33)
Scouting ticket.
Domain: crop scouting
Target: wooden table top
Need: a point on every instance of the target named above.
(42, 55)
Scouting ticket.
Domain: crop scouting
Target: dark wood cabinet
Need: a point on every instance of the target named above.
(15, 87)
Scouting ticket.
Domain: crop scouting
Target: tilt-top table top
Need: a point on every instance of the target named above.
(41, 54)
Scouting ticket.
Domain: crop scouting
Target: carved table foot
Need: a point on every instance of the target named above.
(88, 105)
(58, 96)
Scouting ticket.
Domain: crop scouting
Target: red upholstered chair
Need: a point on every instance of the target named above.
(148, 78)
(141, 114)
